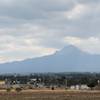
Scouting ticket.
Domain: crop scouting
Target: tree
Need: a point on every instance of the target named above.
(8, 89)
(18, 89)
(92, 84)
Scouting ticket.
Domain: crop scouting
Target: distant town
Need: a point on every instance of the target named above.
(68, 81)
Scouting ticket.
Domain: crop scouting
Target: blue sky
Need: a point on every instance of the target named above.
(32, 28)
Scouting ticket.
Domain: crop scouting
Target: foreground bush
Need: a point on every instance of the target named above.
(8, 89)
(18, 89)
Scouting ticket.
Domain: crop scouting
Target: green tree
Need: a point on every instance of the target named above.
(92, 84)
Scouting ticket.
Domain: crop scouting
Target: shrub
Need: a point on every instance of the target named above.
(52, 88)
(92, 84)
(18, 89)
(8, 89)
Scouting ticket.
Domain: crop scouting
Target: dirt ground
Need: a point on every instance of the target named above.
(50, 95)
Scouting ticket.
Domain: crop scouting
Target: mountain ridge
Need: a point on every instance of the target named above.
(69, 59)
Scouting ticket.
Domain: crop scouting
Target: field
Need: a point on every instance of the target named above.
(50, 95)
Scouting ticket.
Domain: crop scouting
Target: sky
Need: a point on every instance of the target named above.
(33, 28)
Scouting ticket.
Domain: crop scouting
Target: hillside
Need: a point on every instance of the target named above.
(69, 59)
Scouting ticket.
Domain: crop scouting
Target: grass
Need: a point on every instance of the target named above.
(50, 95)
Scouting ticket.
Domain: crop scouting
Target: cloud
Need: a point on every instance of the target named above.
(31, 28)
(23, 48)
(76, 12)
(90, 45)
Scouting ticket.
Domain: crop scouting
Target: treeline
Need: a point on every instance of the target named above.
(60, 79)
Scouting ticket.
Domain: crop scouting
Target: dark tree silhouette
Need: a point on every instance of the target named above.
(92, 84)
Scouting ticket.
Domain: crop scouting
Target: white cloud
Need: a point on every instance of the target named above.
(24, 42)
(90, 45)
(30, 28)
(19, 48)
(76, 12)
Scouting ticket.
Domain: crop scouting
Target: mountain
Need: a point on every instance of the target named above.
(69, 59)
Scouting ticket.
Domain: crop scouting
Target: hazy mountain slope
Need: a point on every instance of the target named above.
(69, 58)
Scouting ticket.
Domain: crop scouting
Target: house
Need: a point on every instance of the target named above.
(79, 87)
(2, 84)
(84, 87)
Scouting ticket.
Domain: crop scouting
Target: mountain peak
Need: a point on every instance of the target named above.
(70, 49)
(69, 59)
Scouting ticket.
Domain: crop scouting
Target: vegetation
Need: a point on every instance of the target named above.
(50, 95)
(18, 89)
(92, 84)
(54, 86)
(8, 89)
(51, 79)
